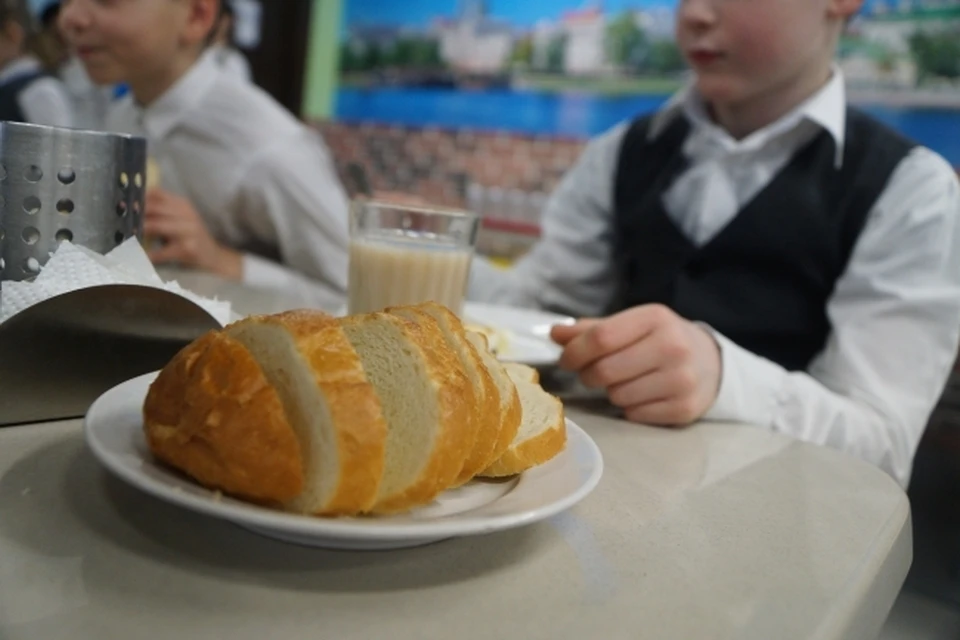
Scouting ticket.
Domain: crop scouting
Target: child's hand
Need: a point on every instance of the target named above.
(659, 367)
(186, 239)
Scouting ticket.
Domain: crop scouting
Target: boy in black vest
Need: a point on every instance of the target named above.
(762, 252)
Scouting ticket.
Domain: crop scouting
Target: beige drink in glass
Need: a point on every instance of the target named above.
(407, 255)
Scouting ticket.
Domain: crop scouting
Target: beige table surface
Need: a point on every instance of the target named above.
(717, 531)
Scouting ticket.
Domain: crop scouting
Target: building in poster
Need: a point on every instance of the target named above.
(574, 68)
(904, 44)
(472, 42)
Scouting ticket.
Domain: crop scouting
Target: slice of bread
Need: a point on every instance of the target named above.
(333, 409)
(212, 414)
(510, 410)
(487, 415)
(522, 372)
(542, 435)
(425, 398)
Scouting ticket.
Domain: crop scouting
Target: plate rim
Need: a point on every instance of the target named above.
(477, 304)
(340, 529)
(531, 335)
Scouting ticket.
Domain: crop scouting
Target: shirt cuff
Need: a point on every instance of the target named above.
(750, 386)
(262, 273)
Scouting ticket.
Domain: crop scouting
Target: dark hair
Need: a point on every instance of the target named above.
(226, 11)
(49, 14)
(16, 11)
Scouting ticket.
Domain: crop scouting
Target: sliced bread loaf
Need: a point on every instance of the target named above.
(542, 435)
(426, 401)
(487, 415)
(332, 407)
(212, 414)
(371, 414)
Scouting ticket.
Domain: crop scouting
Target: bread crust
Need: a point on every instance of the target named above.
(486, 416)
(212, 415)
(523, 372)
(455, 403)
(354, 407)
(510, 421)
(534, 451)
(511, 412)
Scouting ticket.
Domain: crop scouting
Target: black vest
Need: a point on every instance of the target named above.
(10, 110)
(764, 281)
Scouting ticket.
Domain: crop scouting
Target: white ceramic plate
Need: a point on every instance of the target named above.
(526, 332)
(114, 432)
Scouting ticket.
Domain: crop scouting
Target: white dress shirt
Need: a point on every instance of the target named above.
(262, 181)
(231, 61)
(895, 312)
(90, 102)
(43, 101)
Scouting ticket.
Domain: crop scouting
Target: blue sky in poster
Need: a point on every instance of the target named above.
(575, 113)
(522, 13)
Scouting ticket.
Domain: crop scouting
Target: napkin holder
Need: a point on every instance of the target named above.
(58, 356)
(61, 354)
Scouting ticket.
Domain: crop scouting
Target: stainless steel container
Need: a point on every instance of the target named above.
(59, 355)
(65, 184)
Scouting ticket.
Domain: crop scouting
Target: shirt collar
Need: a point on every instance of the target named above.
(21, 66)
(178, 101)
(827, 108)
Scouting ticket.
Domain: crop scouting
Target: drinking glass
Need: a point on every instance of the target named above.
(402, 254)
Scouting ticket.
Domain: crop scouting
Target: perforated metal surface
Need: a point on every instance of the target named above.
(64, 184)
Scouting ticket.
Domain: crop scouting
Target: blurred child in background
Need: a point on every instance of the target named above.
(90, 102)
(247, 191)
(28, 91)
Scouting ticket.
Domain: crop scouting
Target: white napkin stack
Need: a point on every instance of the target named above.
(72, 267)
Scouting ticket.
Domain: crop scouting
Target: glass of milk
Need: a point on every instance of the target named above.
(402, 254)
